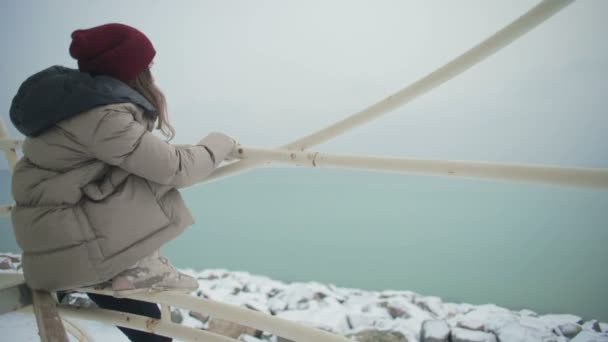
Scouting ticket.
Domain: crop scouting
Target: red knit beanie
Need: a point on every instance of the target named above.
(115, 50)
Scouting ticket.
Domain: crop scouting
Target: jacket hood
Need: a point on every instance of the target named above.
(57, 93)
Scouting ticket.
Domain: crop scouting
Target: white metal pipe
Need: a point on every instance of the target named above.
(141, 323)
(582, 177)
(486, 48)
(7, 144)
(76, 331)
(10, 152)
(9, 147)
(5, 211)
(259, 320)
(481, 51)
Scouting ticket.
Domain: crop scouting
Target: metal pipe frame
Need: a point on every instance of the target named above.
(480, 52)
(142, 323)
(247, 317)
(292, 153)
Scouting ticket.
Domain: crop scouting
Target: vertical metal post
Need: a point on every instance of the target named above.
(50, 327)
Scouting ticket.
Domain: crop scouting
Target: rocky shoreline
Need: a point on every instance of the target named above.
(382, 316)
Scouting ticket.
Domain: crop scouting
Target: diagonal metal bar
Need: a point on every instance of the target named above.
(142, 323)
(280, 327)
(481, 51)
(50, 326)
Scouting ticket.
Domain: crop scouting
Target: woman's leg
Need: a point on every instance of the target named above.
(135, 307)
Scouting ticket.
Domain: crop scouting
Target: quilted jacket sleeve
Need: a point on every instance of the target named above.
(118, 139)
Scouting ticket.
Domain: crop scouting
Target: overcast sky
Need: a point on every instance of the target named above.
(267, 72)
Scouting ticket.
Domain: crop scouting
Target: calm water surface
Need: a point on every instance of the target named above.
(515, 245)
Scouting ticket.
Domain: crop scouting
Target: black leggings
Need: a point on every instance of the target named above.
(135, 307)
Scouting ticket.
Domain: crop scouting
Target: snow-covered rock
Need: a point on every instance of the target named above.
(516, 332)
(358, 320)
(328, 318)
(378, 336)
(176, 316)
(596, 326)
(487, 317)
(431, 304)
(248, 338)
(435, 331)
(10, 262)
(569, 330)
(555, 320)
(465, 335)
(526, 312)
(364, 315)
(203, 318)
(590, 336)
(6, 264)
(230, 329)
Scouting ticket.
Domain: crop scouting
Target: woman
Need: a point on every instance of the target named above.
(96, 192)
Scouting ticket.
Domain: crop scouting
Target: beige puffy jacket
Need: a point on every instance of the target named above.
(98, 191)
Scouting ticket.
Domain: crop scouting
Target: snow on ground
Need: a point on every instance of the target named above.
(18, 326)
(358, 314)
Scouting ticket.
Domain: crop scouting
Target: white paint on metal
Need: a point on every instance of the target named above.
(6, 210)
(582, 177)
(9, 152)
(259, 320)
(7, 144)
(142, 323)
(76, 331)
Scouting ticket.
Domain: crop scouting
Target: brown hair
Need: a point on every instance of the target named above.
(144, 84)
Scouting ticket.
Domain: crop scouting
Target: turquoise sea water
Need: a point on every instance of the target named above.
(515, 245)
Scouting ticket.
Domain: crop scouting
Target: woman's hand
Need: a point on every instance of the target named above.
(219, 146)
